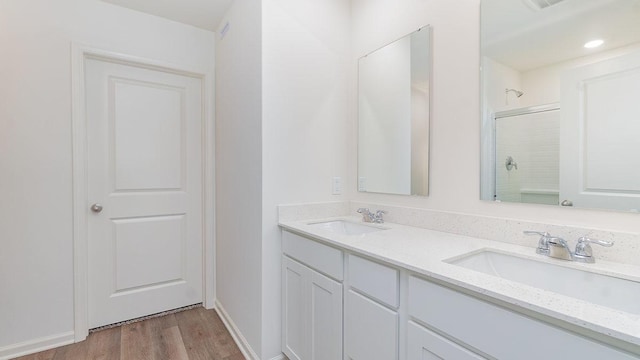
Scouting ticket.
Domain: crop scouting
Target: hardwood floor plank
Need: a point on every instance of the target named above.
(173, 346)
(77, 351)
(135, 342)
(224, 347)
(104, 344)
(196, 334)
(237, 356)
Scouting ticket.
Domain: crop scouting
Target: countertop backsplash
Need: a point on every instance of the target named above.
(626, 249)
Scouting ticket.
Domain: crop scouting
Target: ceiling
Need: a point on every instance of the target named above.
(516, 34)
(205, 14)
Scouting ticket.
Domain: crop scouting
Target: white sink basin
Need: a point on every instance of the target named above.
(613, 292)
(346, 227)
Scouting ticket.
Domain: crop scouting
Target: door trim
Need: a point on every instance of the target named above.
(79, 53)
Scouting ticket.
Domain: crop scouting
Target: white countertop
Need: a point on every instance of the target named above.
(422, 251)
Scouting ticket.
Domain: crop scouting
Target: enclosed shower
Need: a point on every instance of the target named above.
(527, 154)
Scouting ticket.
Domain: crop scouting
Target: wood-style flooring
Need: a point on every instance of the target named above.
(195, 334)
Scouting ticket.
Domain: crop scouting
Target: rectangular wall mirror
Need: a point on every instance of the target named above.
(560, 106)
(393, 116)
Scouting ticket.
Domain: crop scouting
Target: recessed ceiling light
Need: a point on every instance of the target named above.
(593, 44)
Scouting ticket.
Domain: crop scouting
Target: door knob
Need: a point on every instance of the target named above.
(566, 203)
(96, 208)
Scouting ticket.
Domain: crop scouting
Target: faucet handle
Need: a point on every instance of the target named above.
(531, 232)
(586, 241)
(543, 243)
(584, 253)
(367, 216)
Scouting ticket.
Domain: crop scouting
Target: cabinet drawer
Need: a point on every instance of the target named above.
(424, 344)
(378, 281)
(499, 332)
(320, 257)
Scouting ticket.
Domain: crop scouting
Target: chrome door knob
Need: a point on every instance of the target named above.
(96, 208)
(566, 203)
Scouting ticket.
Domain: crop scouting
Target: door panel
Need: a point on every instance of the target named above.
(598, 154)
(135, 238)
(148, 140)
(144, 167)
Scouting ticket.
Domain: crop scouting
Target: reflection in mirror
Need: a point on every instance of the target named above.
(560, 85)
(393, 116)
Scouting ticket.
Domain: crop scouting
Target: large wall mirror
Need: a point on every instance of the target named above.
(561, 102)
(393, 116)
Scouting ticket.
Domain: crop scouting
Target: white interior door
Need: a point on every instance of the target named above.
(145, 171)
(599, 162)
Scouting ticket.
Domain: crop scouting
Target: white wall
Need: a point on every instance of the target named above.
(282, 108)
(305, 117)
(36, 279)
(540, 85)
(499, 78)
(239, 169)
(455, 122)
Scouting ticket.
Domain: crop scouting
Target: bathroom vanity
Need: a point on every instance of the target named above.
(386, 291)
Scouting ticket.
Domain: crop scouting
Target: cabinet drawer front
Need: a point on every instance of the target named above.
(378, 281)
(320, 257)
(499, 332)
(371, 330)
(424, 344)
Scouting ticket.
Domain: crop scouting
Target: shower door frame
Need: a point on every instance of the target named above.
(527, 110)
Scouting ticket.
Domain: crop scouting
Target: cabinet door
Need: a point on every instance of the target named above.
(424, 344)
(371, 330)
(311, 313)
(326, 318)
(295, 299)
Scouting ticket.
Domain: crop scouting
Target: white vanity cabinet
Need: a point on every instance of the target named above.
(312, 296)
(341, 304)
(371, 313)
(470, 328)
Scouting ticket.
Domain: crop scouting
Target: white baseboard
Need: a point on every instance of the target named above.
(36, 345)
(280, 357)
(242, 343)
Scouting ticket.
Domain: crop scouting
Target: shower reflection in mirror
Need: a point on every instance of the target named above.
(532, 136)
(559, 96)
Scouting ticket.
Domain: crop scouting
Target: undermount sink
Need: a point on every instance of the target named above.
(612, 292)
(345, 227)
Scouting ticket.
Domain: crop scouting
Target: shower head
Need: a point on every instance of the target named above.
(517, 92)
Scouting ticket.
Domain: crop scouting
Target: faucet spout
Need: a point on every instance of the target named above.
(368, 216)
(558, 248)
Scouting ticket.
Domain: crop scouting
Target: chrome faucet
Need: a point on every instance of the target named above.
(584, 253)
(543, 243)
(557, 247)
(368, 216)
